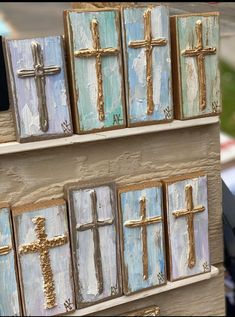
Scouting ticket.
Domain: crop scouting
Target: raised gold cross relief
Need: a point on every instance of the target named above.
(4, 250)
(94, 226)
(98, 52)
(42, 246)
(39, 72)
(148, 43)
(200, 52)
(142, 223)
(189, 212)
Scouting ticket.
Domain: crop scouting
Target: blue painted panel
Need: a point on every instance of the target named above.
(9, 298)
(133, 29)
(24, 89)
(86, 86)
(132, 239)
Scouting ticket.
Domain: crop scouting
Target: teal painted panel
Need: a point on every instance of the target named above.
(133, 22)
(189, 71)
(138, 276)
(9, 297)
(85, 73)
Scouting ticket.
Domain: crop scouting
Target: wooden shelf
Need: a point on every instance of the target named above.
(141, 295)
(15, 147)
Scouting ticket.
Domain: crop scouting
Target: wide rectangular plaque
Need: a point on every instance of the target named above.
(93, 220)
(95, 61)
(39, 92)
(143, 248)
(187, 225)
(146, 39)
(44, 258)
(195, 51)
(9, 291)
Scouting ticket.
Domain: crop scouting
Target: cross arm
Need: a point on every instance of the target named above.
(185, 212)
(5, 250)
(138, 44)
(159, 42)
(57, 241)
(52, 70)
(22, 73)
(140, 222)
(86, 52)
(100, 223)
(29, 248)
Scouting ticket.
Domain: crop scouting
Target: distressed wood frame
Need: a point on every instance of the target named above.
(125, 59)
(68, 190)
(176, 72)
(165, 183)
(13, 98)
(71, 69)
(28, 208)
(127, 188)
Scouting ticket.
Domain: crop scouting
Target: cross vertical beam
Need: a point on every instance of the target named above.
(200, 52)
(39, 72)
(97, 52)
(94, 226)
(142, 223)
(148, 43)
(189, 212)
(42, 246)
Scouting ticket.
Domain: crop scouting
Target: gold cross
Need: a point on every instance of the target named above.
(94, 226)
(5, 250)
(97, 52)
(200, 52)
(143, 222)
(148, 43)
(42, 246)
(189, 213)
(39, 72)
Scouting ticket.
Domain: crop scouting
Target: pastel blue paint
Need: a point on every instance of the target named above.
(178, 228)
(187, 39)
(86, 86)
(132, 239)
(136, 85)
(9, 298)
(25, 93)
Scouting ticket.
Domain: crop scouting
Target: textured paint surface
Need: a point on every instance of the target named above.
(24, 89)
(85, 70)
(187, 39)
(31, 272)
(130, 208)
(106, 209)
(178, 229)
(133, 24)
(9, 302)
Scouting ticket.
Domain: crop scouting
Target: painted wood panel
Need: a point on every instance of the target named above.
(38, 82)
(9, 295)
(143, 252)
(4, 96)
(146, 40)
(93, 218)
(195, 44)
(94, 49)
(44, 258)
(149, 311)
(187, 226)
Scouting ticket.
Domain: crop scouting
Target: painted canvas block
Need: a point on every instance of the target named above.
(143, 251)
(44, 258)
(96, 73)
(187, 225)
(4, 96)
(9, 292)
(195, 50)
(93, 220)
(147, 58)
(39, 92)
